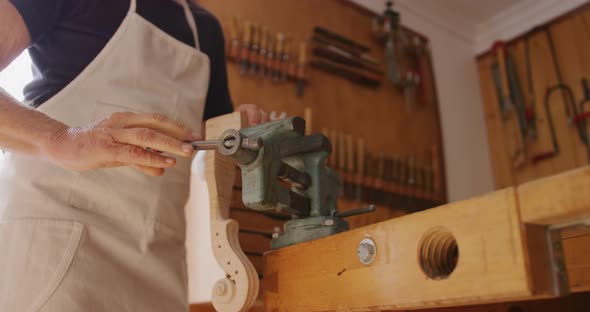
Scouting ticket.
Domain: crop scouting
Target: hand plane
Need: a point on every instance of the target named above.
(283, 169)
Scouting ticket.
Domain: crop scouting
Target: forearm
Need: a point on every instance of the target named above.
(25, 130)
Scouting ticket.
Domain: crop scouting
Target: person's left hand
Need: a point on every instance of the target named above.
(254, 114)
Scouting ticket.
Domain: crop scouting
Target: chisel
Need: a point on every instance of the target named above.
(254, 49)
(276, 68)
(284, 67)
(234, 44)
(263, 51)
(356, 76)
(365, 58)
(337, 55)
(350, 160)
(339, 38)
(341, 167)
(360, 169)
(300, 75)
(245, 51)
(270, 55)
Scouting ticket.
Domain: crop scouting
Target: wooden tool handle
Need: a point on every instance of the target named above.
(247, 33)
(350, 154)
(360, 157)
(341, 152)
(307, 115)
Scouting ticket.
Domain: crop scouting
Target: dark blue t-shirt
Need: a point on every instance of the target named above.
(66, 35)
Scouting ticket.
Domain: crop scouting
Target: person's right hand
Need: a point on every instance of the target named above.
(122, 139)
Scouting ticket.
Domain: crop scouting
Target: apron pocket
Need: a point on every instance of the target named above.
(35, 255)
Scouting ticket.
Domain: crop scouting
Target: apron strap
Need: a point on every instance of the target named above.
(190, 18)
(133, 6)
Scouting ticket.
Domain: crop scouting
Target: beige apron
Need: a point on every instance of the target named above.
(109, 239)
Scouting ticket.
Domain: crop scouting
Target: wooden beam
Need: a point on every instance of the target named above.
(500, 257)
(559, 199)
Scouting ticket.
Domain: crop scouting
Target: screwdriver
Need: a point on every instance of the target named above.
(253, 144)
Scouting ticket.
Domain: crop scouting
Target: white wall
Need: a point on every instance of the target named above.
(467, 161)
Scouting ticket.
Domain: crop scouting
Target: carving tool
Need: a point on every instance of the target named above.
(262, 65)
(234, 45)
(300, 74)
(284, 66)
(245, 50)
(276, 68)
(270, 55)
(360, 169)
(255, 49)
(341, 39)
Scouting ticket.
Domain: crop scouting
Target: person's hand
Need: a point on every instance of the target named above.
(254, 114)
(122, 139)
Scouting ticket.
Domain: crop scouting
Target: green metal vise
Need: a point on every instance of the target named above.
(273, 153)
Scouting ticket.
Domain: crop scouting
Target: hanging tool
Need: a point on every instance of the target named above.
(423, 65)
(392, 44)
(284, 66)
(360, 169)
(516, 94)
(280, 150)
(411, 83)
(530, 115)
(357, 76)
(568, 100)
(338, 55)
(350, 190)
(511, 126)
(342, 158)
(245, 51)
(276, 67)
(270, 55)
(261, 60)
(586, 100)
(379, 178)
(234, 44)
(341, 39)
(580, 119)
(300, 73)
(364, 58)
(255, 49)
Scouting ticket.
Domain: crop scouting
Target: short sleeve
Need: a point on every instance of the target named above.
(40, 16)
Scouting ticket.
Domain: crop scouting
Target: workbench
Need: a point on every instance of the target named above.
(521, 243)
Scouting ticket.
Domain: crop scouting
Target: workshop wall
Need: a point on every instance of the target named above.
(571, 36)
(466, 155)
(376, 114)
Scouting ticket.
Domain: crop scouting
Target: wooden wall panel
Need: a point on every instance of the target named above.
(377, 115)
(571, 35)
